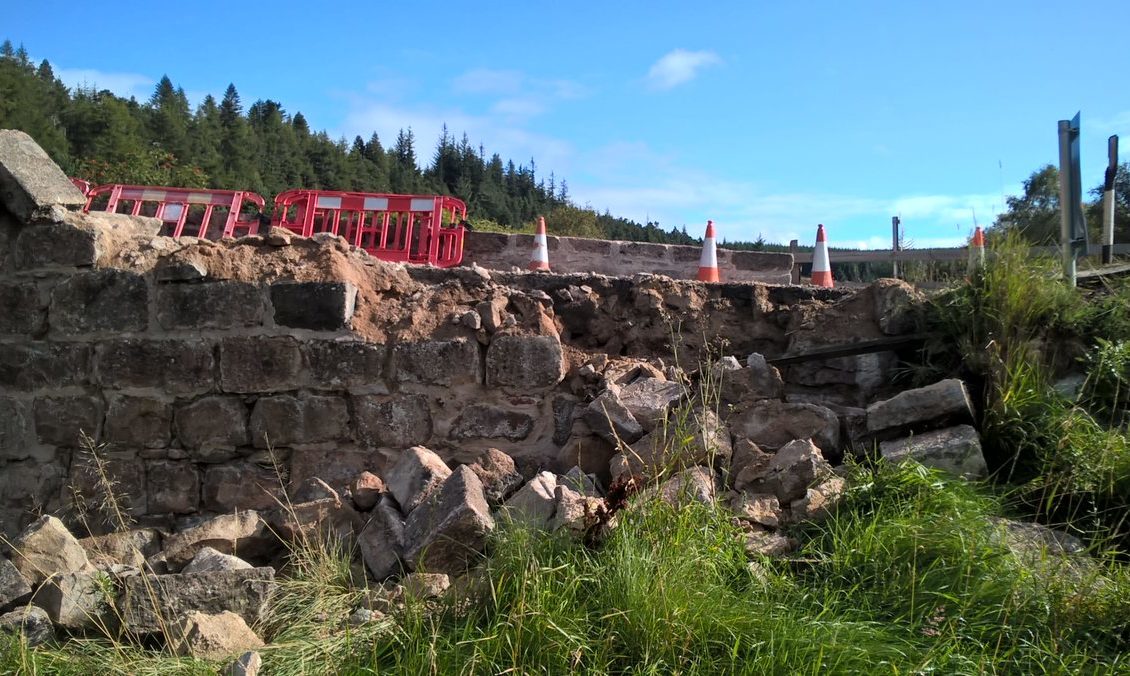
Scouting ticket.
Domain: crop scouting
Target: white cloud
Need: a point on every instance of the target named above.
(518, 107)
(488, 81)
(679, 66)
(496, 133)
(122, 84)
(1116, 123)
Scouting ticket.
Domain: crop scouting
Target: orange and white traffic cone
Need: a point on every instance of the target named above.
(708, 262)
(977, 251)
(821, 268)
(539, 257)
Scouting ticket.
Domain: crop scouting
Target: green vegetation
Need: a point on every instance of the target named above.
(910, 576)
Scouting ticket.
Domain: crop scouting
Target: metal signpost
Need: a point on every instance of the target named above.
(1072, 226)
(1108, 199)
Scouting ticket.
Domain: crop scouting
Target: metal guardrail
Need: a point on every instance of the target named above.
(940, 254)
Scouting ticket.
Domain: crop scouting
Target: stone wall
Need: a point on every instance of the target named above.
(212, 375)
(497, 251)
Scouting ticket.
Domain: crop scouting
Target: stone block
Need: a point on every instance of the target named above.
(318, 306)
(761, 262)
(55, 245)
(126, 548)
(212, 427)
(260, 364)
(21, 310)
(367, 490)
(589, 452)
(31, 484)
(446, 533)
(213, 636)
(212, 305)
(535, 503)
(450, 362)
(496, 471)
(772, 424)
(482, 421)
(648, 399)
(100, 300)
(36, 365)
(16, 440)
(526, 362)
(61, 421)
(30, 622)
(138, 422)
(417, 473)
(394, 422)
(287, 420)
(574, 513)
(13, 585)
(30, 182)
(338, 365)
(174, 366)
(610, 419)
(956, 450)
(240, 486)
(209, 560)
(944, 401)
(563, 407)
(45, 549)
(243, 534)
(243, 592)
(382, 540)
(793, 469)
(76, 601)
(173, 487)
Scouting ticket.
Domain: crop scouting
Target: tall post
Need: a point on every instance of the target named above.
(1072, 226)
(1108, 199)
(794, 249)
(895, 222)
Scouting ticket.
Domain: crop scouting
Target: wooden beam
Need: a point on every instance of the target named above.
(849, 349)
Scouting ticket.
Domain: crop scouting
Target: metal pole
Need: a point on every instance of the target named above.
(1067, 250)
(895, 246)
(1108, 199)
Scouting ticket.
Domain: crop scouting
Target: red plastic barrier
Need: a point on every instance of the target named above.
(82, 185)
(399, 228)
(184, 211)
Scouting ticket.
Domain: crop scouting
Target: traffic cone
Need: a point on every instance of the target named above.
(708, 262)
(977, 251)
(539, 257)
(821, 268)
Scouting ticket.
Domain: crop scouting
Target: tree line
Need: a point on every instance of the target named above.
(104, 138)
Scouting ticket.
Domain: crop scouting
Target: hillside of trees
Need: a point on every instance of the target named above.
(103, 138)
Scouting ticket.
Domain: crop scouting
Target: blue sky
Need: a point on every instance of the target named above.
(766, 117)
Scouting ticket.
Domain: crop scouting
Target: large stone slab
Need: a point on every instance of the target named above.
(394, 422)
(152, 603)
(286, 420)
(499, 476)
(138, 422)
(793, 469)
(482, 421)
(22, 311)
(62, 421)
(244, 534)
(535, 503)
(127, 548)
(648, 400)
(451, 362)
(318, 306)
(213, 427)
(956, 450)
(13, 585)
(338, 365)
(173, 487)
(36, 365)
(772, 424)
(46, 548)
(417, 473)
(213, 636)
(212, 305)
(527, 362)
(30, 182)
(30, 622)
(76, 600)
(447, 533)
(944, 401)
(382, 540)
(610, 419)
(100, 300)
(260, 364)
(175, 366)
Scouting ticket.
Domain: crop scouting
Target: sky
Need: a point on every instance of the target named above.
(767, 118)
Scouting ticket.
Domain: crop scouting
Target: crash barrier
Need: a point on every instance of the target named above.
(397, 228)
(207, 214)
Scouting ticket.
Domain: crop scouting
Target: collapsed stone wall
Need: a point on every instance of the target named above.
(218, 374)
(576, 254)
